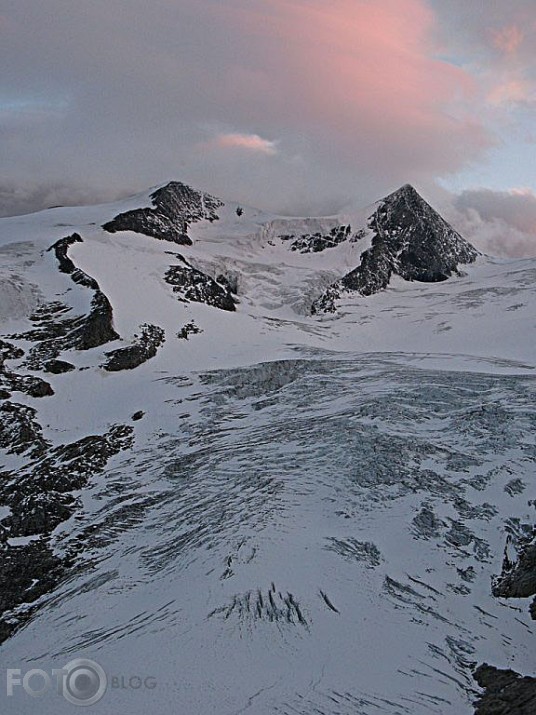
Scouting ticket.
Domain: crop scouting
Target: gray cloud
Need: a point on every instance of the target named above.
(119, 95)
(21, 198)
(500, 223)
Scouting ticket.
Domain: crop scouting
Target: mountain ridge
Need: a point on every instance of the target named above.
(286, 498)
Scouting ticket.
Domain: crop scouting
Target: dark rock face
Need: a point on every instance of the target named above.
(13, 382)
(317, 242)
(54, 334)
(97, 327)
(228, 281)
(143, 348)
(8, 351)
(58, 366)
(176, 207)
(20, 433)
(506, 692)
(40, 496)
(54, 331)
(29, 384)
(28, 572)
(410, 240)
(518, 578)
(66, 265)
(194, 285)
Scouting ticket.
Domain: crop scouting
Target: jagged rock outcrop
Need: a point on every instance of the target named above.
(97, 327)
(57, 367)
(189, 329)
(191, 284)
(28, 384)
(518, 578)
(8, 351)
(55, 331)
(506, 692)
(229, 281)
(20, 433)
(317, 242)
(13, 382)
(410, 240)
(28, 572)
(53, 334)
(66, 265)
(176, 207)
(143, 348)
(40, 496)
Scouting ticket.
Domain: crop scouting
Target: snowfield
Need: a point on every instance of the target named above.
(308, 514)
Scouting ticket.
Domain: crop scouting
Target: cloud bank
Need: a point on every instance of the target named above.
(294, 105)
(500, 223)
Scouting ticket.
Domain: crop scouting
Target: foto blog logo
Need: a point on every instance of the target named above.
(81, 682)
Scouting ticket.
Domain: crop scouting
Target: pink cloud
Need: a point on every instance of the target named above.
(249, 142)
(508, 40)
(361, 73)
(512, 91)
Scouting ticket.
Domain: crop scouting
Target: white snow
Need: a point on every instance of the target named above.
(266, 437)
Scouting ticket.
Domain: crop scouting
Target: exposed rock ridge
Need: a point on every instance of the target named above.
(176, 207)
(53, 333)
(66, 265)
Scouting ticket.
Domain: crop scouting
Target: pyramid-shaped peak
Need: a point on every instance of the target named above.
(406, 191)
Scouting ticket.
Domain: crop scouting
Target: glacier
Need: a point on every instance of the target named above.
(273, 508)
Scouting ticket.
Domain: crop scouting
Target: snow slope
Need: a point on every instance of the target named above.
(313, 506)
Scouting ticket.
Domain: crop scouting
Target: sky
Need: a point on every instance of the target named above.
(294, 106)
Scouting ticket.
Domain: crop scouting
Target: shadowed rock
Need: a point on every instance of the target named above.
(20, 433)
(317, 242)
(41, 495)
(58, 366)
(506, 692)
(518, 578)
(192, 284)
(55, 332)
(143, 348)
(410, 240)
(66, 265)
(176, 207)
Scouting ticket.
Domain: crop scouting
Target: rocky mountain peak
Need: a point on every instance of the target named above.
(175, 207)
(404, 191)
(411, 240)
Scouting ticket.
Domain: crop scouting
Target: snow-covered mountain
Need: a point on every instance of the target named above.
(271, 464)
